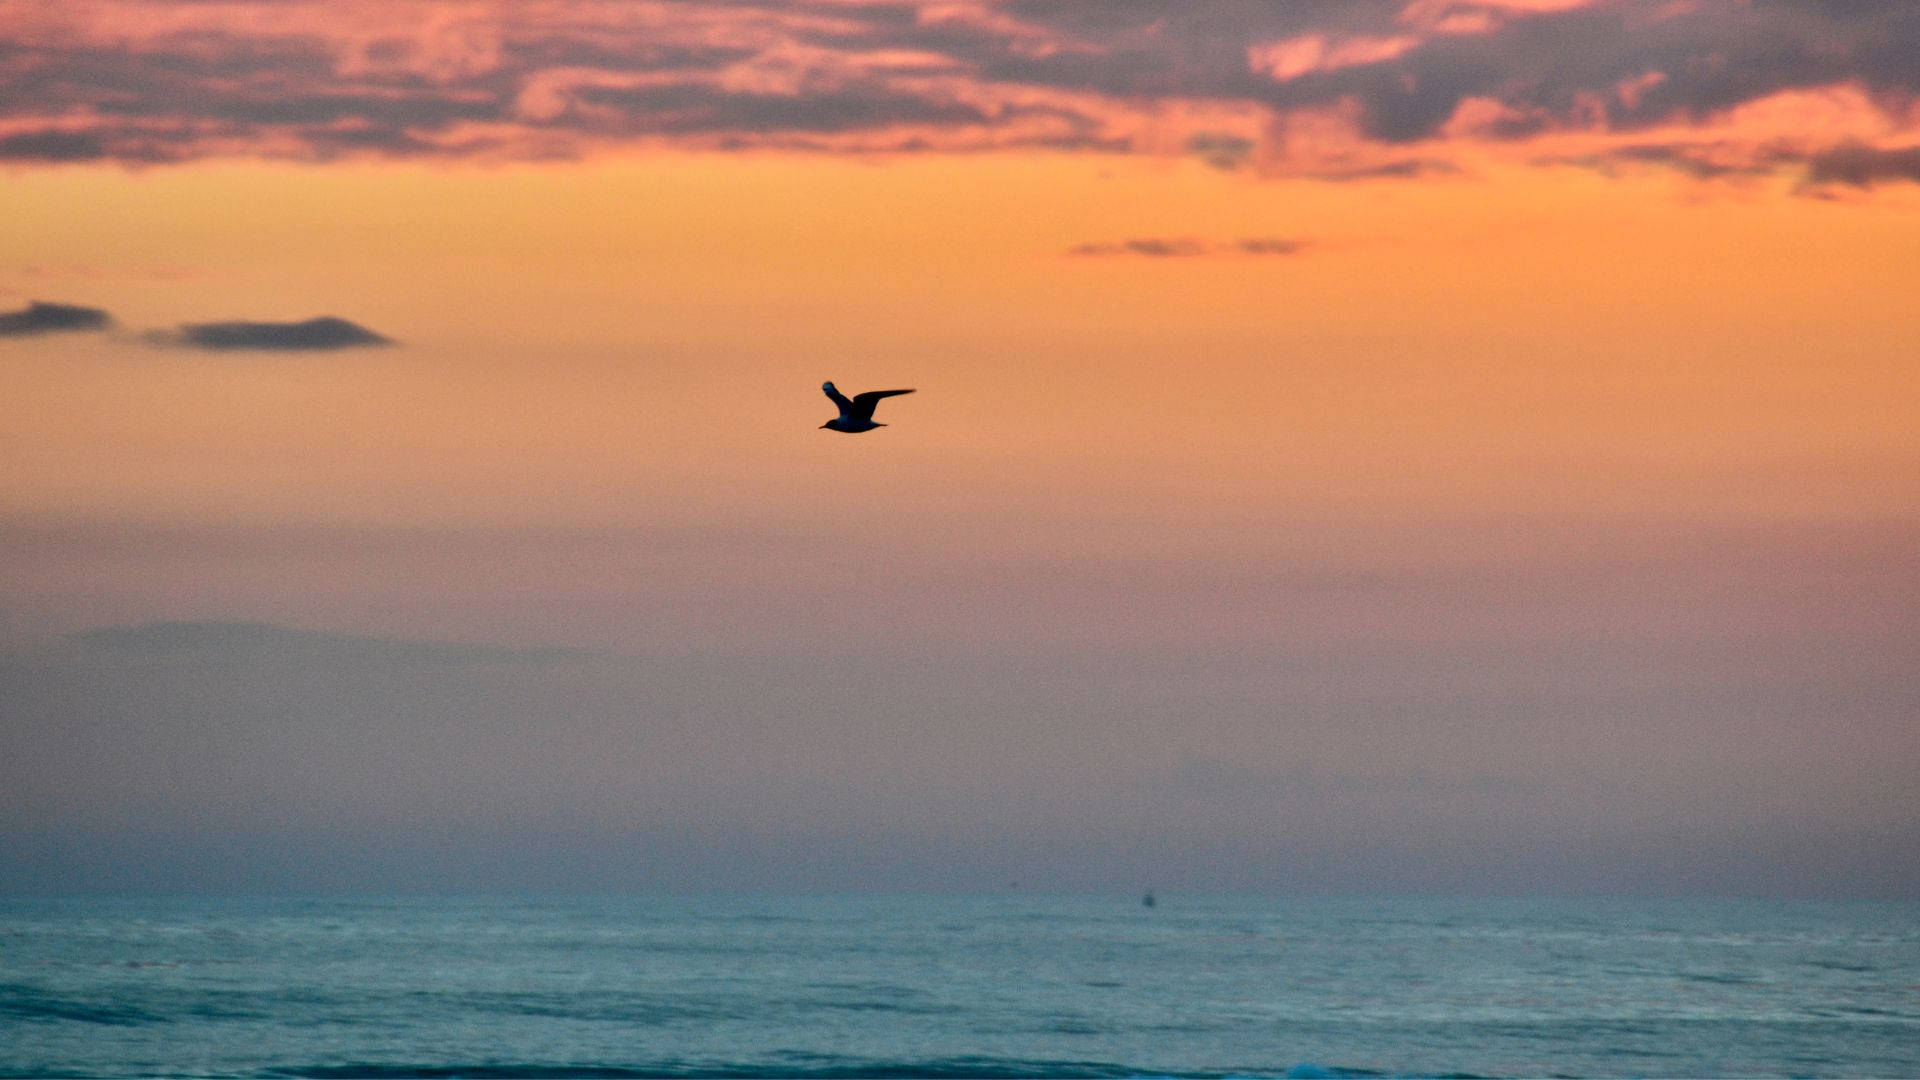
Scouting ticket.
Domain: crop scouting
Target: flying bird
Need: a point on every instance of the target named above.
(856, 413)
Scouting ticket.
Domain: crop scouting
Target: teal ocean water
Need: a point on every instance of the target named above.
(957, 987)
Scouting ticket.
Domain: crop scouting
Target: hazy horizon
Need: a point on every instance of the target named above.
(244, 757)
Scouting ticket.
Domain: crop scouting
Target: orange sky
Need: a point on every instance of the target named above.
(1464, 344)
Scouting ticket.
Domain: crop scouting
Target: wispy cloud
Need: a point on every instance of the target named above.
(1334, 90)
(249, 642)
(1702, 162)
(1153, 248)
(1186, 248)
(1269, 245)
(326, 332)
(1218, 779)
(40, 317)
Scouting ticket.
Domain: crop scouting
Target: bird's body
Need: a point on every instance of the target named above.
(856, 412)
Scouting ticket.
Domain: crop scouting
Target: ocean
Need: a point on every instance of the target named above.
(1005, 985)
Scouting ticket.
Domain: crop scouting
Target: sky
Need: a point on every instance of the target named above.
(1388, 446)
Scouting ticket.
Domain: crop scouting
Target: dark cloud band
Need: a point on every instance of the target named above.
(323, 333)
(44, 318)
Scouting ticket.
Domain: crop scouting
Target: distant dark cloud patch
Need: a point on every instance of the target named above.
(40, 317)
(694, 109)
(1706, 162)
(1849, 164)
(1685, 159)
(1221, 151)
(323, 333)
(1402, 169)
(1859, 165)
(52, 146)
(1160, 249)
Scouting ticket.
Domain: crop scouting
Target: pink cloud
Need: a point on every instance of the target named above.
(1338, 93)
(1294, 57)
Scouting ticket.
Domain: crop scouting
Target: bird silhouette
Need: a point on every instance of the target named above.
(856, 413)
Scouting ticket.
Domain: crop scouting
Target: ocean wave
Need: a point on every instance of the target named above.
(23, 1002)
(946, 1069)
(957, 1068)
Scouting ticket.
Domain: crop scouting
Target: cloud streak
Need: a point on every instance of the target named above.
(1187, 248)
(1337, 90)
(217, 642)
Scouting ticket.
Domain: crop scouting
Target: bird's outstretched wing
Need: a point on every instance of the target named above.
(862, 404)
(839, 398)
